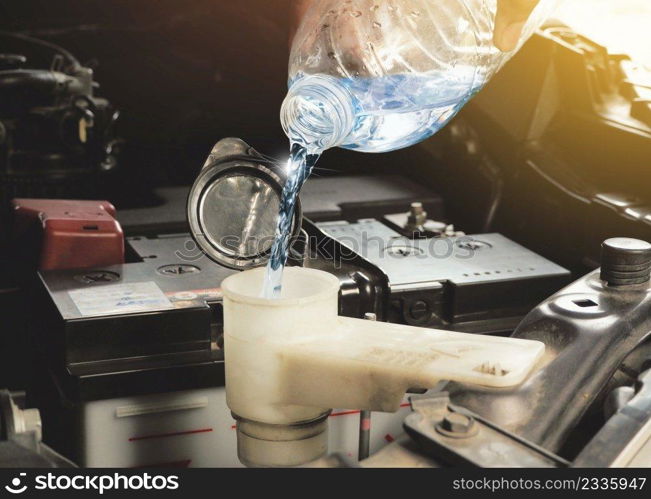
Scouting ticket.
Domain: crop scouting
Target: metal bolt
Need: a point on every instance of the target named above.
(457, 425)
(472, 244)
(178, 270)
(99, 276)
(417, 216)
(625, 261)
(417, 208)
(419, 310)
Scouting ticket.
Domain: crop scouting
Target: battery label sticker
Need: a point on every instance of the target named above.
(120, 299)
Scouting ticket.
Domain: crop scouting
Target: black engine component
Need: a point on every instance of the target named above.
(459, 437)
(20, 437)
(561, 140)
(56, 137)
(620, 442)
(589, 328)
(625, 261)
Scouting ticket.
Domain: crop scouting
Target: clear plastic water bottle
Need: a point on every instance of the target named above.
(380, 75)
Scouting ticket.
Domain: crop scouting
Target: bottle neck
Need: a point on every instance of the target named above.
(318, 113)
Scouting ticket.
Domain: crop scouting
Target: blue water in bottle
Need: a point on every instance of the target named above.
(364, 114)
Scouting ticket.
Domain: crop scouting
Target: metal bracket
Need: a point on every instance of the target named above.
(624, 435)
(462, 438)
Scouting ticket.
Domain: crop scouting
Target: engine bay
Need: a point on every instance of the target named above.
(525, 218)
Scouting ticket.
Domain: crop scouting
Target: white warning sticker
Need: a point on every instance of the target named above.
(120, 299)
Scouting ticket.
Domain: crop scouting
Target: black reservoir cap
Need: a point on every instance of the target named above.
(625, 261)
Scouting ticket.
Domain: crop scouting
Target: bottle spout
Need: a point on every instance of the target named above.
(290, 360)
(318, 112)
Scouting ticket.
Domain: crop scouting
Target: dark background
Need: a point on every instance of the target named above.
(187, 73)
(184, 74)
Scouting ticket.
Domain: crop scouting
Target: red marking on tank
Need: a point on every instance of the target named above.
(348, 413)
(172, 434)
(343, 413)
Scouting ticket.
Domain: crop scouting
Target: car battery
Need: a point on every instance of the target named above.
(132, 370)
(482, 283)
